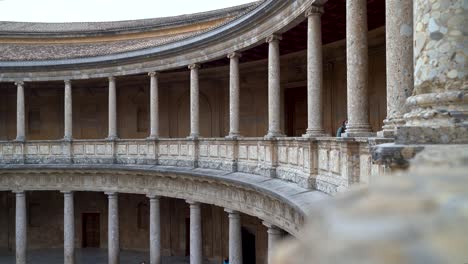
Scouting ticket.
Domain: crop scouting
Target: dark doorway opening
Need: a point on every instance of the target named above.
(248, 247)
(296, 111)
(187, 236)
(91, 230)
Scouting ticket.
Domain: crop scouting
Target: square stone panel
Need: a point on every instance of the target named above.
(133, 149)
(31, 149)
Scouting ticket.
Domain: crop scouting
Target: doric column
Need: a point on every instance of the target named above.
(21, 228)
(68, 228)
(20, 130)
(357, 69)
(154, 105)
(438, 107)
(274, 87)
(196, 252)
(234, 93)
(235, 237)
(112, 109)
(68, 128)
(399, 60)
(155, 230)
(113, 229)
(314, 73)
(194, 101)
(274, 235)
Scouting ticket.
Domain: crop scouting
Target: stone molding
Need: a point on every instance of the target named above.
(282, 204)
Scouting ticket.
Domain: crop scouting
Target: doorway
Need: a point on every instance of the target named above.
(91, 230)
(248, 247)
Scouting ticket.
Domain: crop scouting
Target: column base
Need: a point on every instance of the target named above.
(273, 135)
(315, 133)
(193, 136)
(67, 139)
(112, 138)
(20, 139)
(152, 137)
(358, 134)
(233, 136)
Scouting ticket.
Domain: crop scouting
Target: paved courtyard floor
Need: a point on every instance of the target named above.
(87, 256)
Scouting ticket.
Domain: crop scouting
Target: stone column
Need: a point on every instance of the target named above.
(438, 107)
(20, 125)
(155, 230)
(68, 228)
(235, 237)
(154, 105)
(113, 229)
(399, 60)
(194, 102)
(274, 235)
(357, 69)
(234, 93)
(274, 87)
(68, 133)
(21, 228)
(314, 73)
(112, 109)
(196, 253)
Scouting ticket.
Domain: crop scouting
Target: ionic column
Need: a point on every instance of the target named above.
(68, 228)
(274, 235)
(20, 125)
(235, 237)
(113, 229)
(112, 109)
(155, 230)
(274, 87)
(234, 94)
(68, 128)
(438, 107)
(314, 73)
(357, 69)
(21, 228)
(154, 105)
(194, 101)
(195, 233)
(399, 61)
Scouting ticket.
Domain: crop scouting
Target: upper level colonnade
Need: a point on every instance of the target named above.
(338, 162)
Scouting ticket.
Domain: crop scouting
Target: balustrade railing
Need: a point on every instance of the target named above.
(326, 164)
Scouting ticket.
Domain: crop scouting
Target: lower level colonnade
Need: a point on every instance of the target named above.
(235, 238)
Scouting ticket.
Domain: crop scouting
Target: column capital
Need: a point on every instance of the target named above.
(192, 203)
(111, 194)
(66, 192)
(314, 10)
(19, 192)
(19, 83)
(232, 213)
(273, 38)
(67, 82)
(272, 229)
(153, 196)
(234, 54)
(194, 66)
(111, 78)
(153, 74)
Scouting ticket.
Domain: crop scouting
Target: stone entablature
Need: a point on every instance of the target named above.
(326, 164)
(282, 204)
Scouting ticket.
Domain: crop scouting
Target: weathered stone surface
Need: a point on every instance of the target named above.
(411, 218)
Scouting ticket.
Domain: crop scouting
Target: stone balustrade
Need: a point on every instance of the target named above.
(326, 164)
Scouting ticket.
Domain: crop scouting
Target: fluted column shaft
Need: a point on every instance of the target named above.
(21, 228)
(234, 94)
(68, 228)
(196, 253)
(314, 73)
(112, 109)
(399, 61)
(68, 123)
(357, 69)
(194, 101)
(155, 230)
(274, 87)
(154, 105)
(274, 235)
(20, 125)
(113, 242)
(235, 237)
